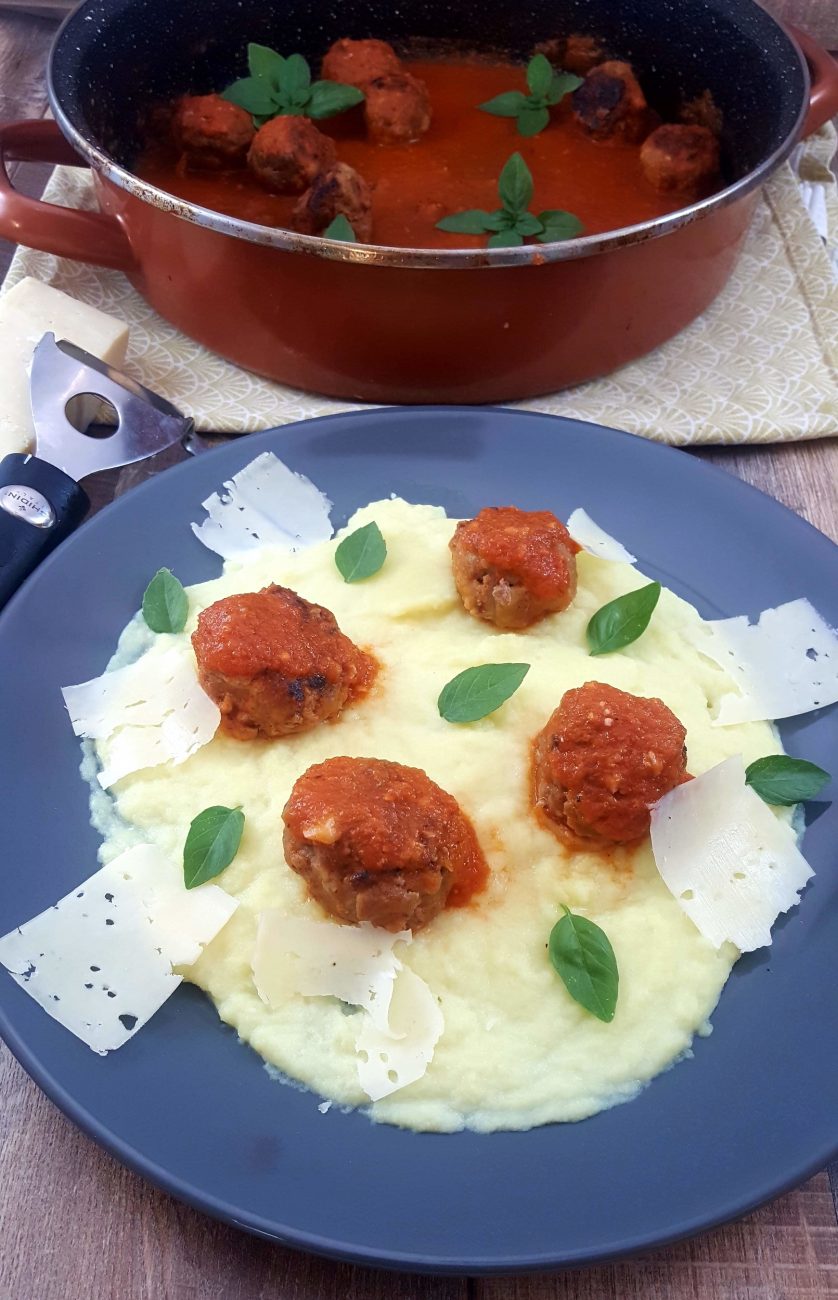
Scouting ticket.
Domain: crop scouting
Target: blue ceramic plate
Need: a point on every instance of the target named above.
(187, 1106)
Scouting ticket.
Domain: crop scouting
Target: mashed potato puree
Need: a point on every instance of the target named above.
(516, 1049)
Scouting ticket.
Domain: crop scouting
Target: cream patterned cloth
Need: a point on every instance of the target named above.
(761, 364)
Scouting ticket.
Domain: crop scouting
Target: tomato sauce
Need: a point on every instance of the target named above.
(383, 818)
(454, 167)
(277, 631)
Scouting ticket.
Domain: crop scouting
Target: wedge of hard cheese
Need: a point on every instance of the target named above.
(27, 312)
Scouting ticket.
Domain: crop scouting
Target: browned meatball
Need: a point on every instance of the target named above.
(211, 132)
(379, 842)
(574, 53)
(339, 190)
(275, 664)
(680, 159)
(702, 111)
(512, 567)
(601, 760)
(288, 152)
(610, 103)
(356, 63)
(397, 109)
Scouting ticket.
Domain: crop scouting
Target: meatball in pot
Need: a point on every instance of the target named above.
(211, 132)
(513, 567)
(680, 159)
(357, 63)
(288, 152)
(611, 103)
(379, 842)
(603, 758)
(338, 191)
(397, 109)
(275, 664)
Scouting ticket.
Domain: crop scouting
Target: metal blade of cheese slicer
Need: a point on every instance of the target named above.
(40, 499)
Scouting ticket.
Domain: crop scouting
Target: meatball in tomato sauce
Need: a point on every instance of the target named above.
(288, 152)
(376, 841)
(610, 103)
(357, 63)
(275, 664)
(512, 567)
(397, 109)
(338, 191)
(680, 159)
(210, 131)
(602, 759)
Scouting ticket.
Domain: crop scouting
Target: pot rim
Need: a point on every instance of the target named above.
(423, 258)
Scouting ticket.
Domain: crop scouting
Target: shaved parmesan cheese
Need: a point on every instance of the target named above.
(100, 960)
(152, 712)
(785, 664)
(355, 963)
(391, 1061)
(595, 540)
(265, 504)
(725, 858)
(402, 1021)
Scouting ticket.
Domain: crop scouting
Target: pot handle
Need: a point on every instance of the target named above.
(67, 232)
(823, 70)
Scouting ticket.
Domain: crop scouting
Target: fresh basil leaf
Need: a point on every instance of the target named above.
(254, 95)
(505, 239)
(478, 691)
(330, 97)
(296, 76)
(527, 224)
(532, 120)
(584, 960)
(779, 779)
(361, 554)
(500, 219)
(563, 83)
(623, 620)
(339, 228)
(509, 104)
(165, 603)
(211, 844)
(558, 225)
(265, 64)
(515, 185)
(539, 74)
(471, 222)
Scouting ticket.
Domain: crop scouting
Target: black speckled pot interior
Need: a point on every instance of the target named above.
(113, 57)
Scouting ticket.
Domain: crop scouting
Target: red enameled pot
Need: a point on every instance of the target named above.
(403, 325)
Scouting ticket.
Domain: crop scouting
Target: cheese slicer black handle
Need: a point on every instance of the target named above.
(39, 506)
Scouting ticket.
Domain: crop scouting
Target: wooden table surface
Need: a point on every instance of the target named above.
(75, 1225)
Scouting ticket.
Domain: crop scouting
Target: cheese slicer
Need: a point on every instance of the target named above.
(40, 498)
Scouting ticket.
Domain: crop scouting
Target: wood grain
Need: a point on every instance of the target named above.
(76, 1225)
